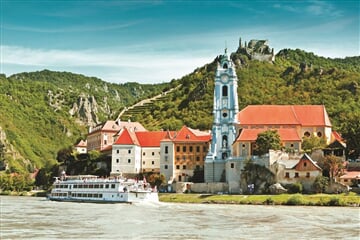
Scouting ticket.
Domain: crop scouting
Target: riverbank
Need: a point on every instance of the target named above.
(350, 199)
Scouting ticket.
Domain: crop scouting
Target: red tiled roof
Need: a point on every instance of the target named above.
(126, 137)
(150, 139)
(337, 136)
(191, 135)
(287, 134)
(305, 115)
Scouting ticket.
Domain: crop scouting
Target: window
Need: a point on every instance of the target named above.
(143, 153)
(129, 151)
(177, 166)
(304, 164)
(166, 158)
(152, 162)
(183, 157)
(296, 175)
(179, 178)
(190, 149)
(224, 91)
(292, 145)
(224, 114)
(105, 142)
(166, 166)
(224, 141)
(112, 185)
(143, 162)
(118, 151)
(307, 174)
(319, 134)
(184, 166)
(117, 160)
(306, 134)
(178, 148)
(232, 165)
(166, 149)
(287, 175)
(197, 149)
(184, 148)
(129, 160)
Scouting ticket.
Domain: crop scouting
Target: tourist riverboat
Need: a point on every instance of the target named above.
(89, 188)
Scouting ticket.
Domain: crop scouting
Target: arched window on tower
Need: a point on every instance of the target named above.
(225, 66)
(224, 91)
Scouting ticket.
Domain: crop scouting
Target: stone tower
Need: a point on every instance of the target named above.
(223, 129)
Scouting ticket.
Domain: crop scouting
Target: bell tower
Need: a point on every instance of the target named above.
(225, 110)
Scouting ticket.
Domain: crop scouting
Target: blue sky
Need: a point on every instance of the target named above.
(156, 41)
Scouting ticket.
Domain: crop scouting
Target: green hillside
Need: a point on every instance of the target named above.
(41, 113)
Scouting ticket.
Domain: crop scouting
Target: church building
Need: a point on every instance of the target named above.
(219, 164)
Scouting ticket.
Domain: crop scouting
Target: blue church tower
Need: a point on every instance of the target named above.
(225, 111)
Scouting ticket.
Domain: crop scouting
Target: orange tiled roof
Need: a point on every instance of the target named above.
(305, 115)
(287, 134)
(126, 137)
(150, 139)
(191, 135)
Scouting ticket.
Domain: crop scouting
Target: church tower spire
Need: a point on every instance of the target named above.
(225, 110)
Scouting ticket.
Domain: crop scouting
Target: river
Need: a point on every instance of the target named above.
(38, 218)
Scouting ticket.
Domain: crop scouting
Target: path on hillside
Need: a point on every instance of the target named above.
(148, 100)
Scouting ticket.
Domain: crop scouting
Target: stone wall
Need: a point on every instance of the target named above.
(215, 187)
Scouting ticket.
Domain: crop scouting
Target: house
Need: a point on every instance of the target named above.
(126, 154)
(292, 122)
(293, 170)
(350, 178)
(81, 147)
(136, 152)
(182, 153)
(101, 137)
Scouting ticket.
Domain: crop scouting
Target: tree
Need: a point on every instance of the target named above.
(320, 184)
(311, 143)
(267, 140)
(156, 179)
(332, 166)
(198, 176)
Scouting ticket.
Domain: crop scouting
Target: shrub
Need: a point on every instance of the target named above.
(296, 199)
(335, 201)
(295, 188)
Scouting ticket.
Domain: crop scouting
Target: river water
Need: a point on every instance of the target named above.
(38, 218)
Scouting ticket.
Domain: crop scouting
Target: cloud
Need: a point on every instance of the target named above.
(71, 29)
(317, 8)
(110, 66)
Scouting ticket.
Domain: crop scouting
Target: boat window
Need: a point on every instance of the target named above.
(106, 185)
(112, 185)
(91, 186)
(101, 186)
(100, 195)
